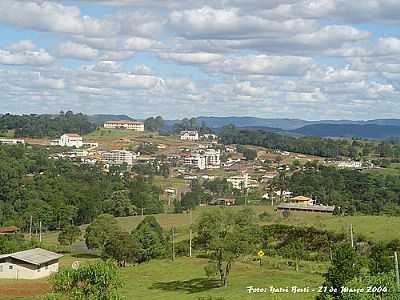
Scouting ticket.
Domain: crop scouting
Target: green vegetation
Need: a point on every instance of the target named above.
(58, 192)
(69, 234)
(351, 190)
(154, 124)
(39, 126)
(99, 281)
(325, 147)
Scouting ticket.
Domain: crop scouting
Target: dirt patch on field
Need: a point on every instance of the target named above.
(23, 289)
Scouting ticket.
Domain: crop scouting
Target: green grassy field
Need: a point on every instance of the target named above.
(372, 227)
(185, 279)
(119, 138)
(393, 169)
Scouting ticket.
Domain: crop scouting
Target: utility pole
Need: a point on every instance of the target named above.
(351, 236)
(396, 267)
(190, 233)
(173, 243)
(40, 231)
(30, 228)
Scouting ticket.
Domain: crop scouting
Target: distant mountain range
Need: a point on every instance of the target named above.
(372, 129)
(286, 124)
(369, 131)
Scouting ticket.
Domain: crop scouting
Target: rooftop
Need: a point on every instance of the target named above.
(301, 198)
(8, 229)
(124, 122)
(73, 135)
(37, 256)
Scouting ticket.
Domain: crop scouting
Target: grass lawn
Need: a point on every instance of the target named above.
(185, 279)
(119, 138)
(372, 227)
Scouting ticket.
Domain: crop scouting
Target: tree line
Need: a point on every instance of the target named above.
(325, 147)
(351, 190)
(59, 192)
(39, 126)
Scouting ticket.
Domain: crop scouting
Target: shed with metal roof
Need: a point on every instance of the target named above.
(29, 264)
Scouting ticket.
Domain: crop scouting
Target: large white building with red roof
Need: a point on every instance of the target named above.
(125, 124)
(71, 140)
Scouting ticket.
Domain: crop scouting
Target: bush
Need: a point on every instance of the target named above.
(265, 216)
(182, 248)
(286, 214)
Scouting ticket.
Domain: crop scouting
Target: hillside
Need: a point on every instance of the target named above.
(281, 123)
(369, 131)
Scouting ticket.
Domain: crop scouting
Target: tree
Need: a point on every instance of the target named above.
(103, 228)
(345, 267)
(153, 224)
(382, 286)
(150, 243)
(69, 234)
(225, 235)
(154, 124)
(123, 248)
(98, 281)
(119, 204)
(379, 259)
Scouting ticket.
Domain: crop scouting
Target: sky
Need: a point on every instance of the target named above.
(309, 59)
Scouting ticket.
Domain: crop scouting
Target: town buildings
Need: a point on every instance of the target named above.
(125, 124)
(204, 159)
(119, 157)
(240, 182)
(12, 141)
(29, 264)
(189, 135)
(71, 140)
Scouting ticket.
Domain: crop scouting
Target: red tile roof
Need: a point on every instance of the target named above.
(9, 229)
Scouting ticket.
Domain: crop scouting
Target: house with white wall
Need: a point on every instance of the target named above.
(189, 135)
(29, 264)
(71, 140)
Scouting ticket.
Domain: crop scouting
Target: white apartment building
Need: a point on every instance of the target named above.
(71, 140)
(351, 164)
(12, 141)
(213, 158)
(189, 135)
(119, 157)
(125, 124)
(204, 159)
(196, 160)
(240, 182)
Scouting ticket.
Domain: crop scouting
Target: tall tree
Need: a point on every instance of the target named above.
(225, 235)
(102, 229)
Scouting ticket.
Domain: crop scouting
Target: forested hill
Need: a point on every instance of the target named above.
(285, 123)
(39, 126)
(313, 145)
(370, 131)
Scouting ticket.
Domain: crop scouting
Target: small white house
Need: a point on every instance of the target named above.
(29, 264)
(71, 140)
(189, 135)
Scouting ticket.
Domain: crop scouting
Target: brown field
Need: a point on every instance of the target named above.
(12, 289)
